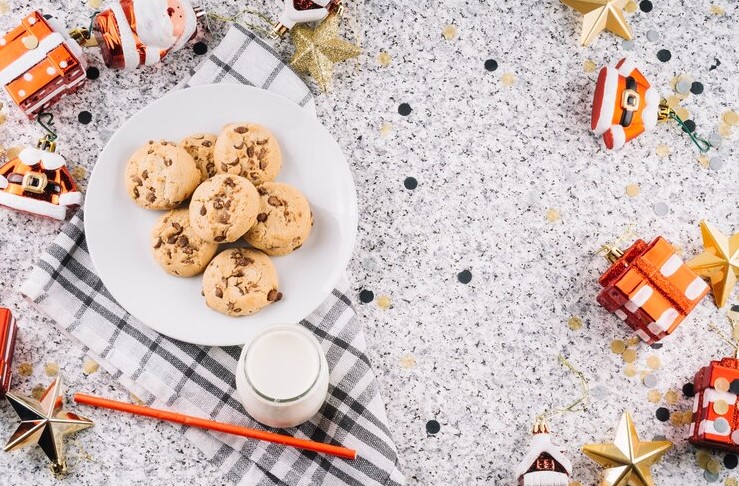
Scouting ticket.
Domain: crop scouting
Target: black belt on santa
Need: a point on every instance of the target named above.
(50, 186)
(628, 115)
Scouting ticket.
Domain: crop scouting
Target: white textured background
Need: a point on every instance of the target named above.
(490, 160)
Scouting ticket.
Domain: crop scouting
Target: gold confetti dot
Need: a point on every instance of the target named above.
(633, 341)
(589, 66)
(51, 369)
(4, 8)
(720, 407)
(618, 346)
(89, 366)
(30, 42)
(25, 369)
(725, 130)
(135, 399)
(653, 362)
(94, 3)
(663, 150)
(408, 361)
(654, 396)
(703, 160)
(385, 129)
(449, 32)
(38, 391)
(672, 397)
(574, 323)
(717, 10)
(630, 370)
(13, 152)
(629, 356)
(78, 172)
(553, 215)
(735, 331)
(731, 118)
(701, 458)
(384, 59)
(713, 466)
(676, 419)
(631, 7)
(721, 384)
(384, 302)
(508, 79)
(633, 190)
(3, 118)
(673, 101)
(682, 112)
(731, 481)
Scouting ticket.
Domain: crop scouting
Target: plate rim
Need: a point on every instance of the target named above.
(351, 203)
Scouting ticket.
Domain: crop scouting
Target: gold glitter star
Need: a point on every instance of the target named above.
(317, 50)
(719, 262)
(627, 459)
(599, 15)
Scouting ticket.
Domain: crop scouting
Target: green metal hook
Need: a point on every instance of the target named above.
(46, 120)
(702, 144)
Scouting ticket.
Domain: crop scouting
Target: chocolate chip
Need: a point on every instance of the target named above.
(217, 204)
(297, 247)
(145, 174)
(207, 143)
(237, 310)
(177, 226)
(243, 261)
(210, 167)
(150, 151)
(262, 153)
(229, 182)
(172, 239)
(219, 238)
(241, 129)
(151, 142)
(262, 217)
(224, 167)
(274, 295)
(262, 191)
(262, 142)
(182, 241)
(203, 211)
(262, 164)
(158, 243)
(223, 218)
(250, 151)
(274, 201)
(151, 197)
(239, 146)
(167, 162)
(219, 293)
(136, 192)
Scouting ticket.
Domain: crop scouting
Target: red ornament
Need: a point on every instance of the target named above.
(8, 332)
(625, 104)
(40, 63)
(715, 412)
(37, 181)
(134, 33)
(650, 288)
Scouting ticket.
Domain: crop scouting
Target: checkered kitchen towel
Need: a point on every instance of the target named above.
(199, 380)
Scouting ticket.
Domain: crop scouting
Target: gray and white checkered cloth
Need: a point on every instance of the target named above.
(200, 380)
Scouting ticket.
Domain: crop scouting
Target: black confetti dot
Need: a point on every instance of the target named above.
(433, 427)
(410, 183)
(93, 73)
(200, 48)
(47, 16)
(696, 87)
(689, 126)
(664, 55)
(645, 6)
(734, 387)
(84, 117)
(366, 296)
(491, 64)
(657, 346)
(465, 276)
(405, 109)
(663, 415)
(688, 390)
(730, 461)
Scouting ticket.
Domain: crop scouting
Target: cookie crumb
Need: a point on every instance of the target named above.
(408, 361)
(89, 366)
(384, 59)
(449, 31)
(51, 369)
(25, 369)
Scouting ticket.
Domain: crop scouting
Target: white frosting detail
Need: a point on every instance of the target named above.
(626, 67)
(671, 265)
(619, 136)
(640, 298)
(290, 16)
(712, 395)
(546, 478)
(49, 160)
(620, 314)
(152, 55)
(696, 401)
(695, 289)
(153, 25)
(735, 437)
(35, 206)
(608, 103)
(642, 335)
(45, 99)
(667, 319)
(649, 113)
(71, 44)
(542, 443)
(654, 329)
(70, 199)
(24, 63)
(3, 182)
(191, 24)
(128, 43)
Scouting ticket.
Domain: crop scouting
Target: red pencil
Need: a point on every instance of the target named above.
(217, 426)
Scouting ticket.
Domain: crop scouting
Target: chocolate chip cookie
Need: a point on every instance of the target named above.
(284, 220)
(200, 147)
(248, 150)
(160, 175)
(223, 208)
(176, 246)
(240, 281)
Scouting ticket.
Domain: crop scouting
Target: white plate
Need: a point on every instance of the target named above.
(118, 230)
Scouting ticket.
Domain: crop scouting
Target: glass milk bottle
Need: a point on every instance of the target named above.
(282, 376)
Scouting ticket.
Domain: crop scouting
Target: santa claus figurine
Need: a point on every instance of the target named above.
(37, 181)
(134, 33)
(625, 104)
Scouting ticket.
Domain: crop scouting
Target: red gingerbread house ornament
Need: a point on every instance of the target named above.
(650, 288)
(544, 464)
(40, 63)
(302, 11)
(8, 333)
(37, 181)
(625, 104)
(134, 33)
(715, 413)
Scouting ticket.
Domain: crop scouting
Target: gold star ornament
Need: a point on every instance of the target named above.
(627, 459)
(45, 423)
(599, 15)
(719, 262)
(317, 50)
